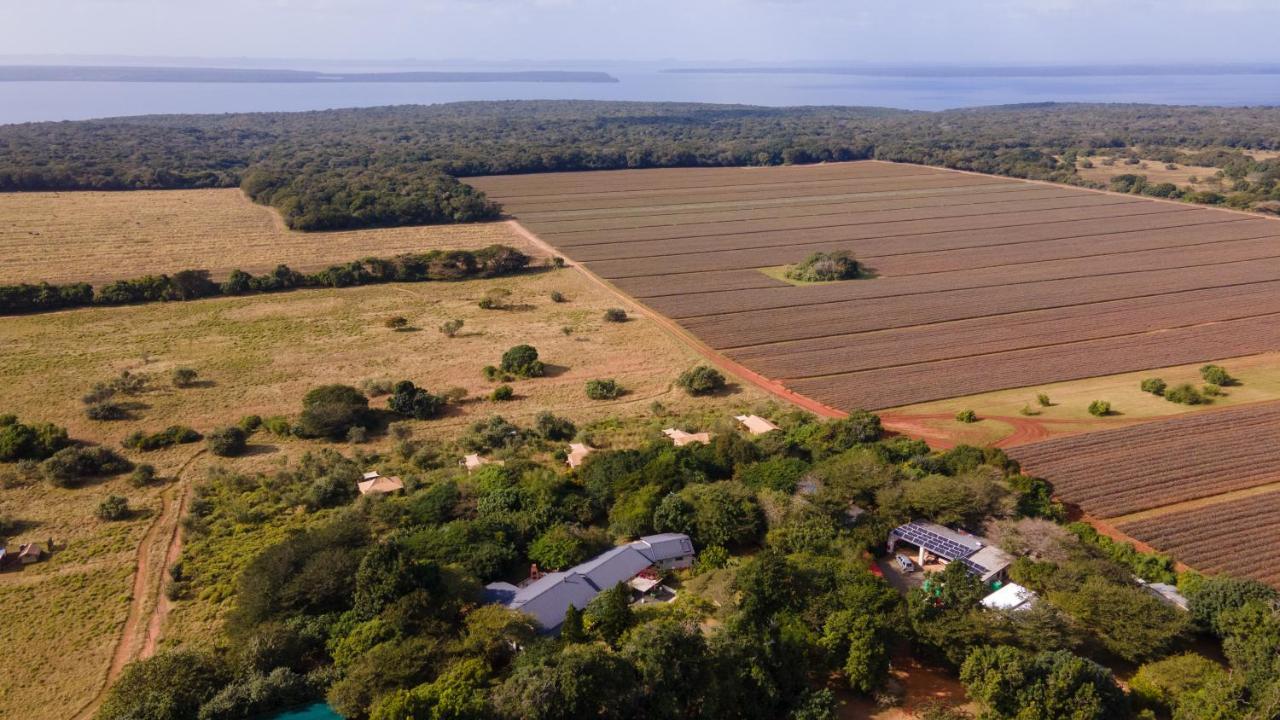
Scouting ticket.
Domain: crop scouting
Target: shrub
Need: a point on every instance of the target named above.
(184, 377)
(495, 299)
(450, 328)
(1216, 375)
(502, 393)
(825, 267)
(278, 425)
(550, 427)
(701, 380)
(1211, 390)
(228, 442)
(1154, 385)
(143, 475)
(454, 395)
(113, 508)
(603, 389)
(1099, 408)
(557, 262)
(615, 315)
(522, 361)
(70, 466)
(104, 411)
(172, 435)
(250, 423)
(491, 433)
(1028, 411)
(713, 557)
(396, 322)
(1043, 399)
(1184, 394)
(169, 685)
(967, 416)
(414, 402)
(36, 441)
(329, 411)
(377, 387)
(558, 297)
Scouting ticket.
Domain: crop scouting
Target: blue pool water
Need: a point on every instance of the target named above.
(319, 711)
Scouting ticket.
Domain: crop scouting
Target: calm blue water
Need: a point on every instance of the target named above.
(319, 711)
(31, 101)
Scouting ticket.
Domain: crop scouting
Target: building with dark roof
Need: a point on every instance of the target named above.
(547, 598)
(986, 561)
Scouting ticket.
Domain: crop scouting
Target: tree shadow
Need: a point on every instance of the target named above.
(550, 370)
(259, 449)
(199, 384)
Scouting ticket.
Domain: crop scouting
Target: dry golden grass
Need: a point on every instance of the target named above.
(260, 354)
(1155, 171)
(103, 236)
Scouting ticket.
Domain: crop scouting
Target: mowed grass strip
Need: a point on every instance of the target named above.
(103, 236)
(1127, 470)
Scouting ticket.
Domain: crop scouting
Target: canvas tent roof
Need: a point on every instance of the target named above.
(755, 424)
(577, 453)
(379, 484)
(681, 438)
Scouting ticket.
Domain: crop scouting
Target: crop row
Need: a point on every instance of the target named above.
(985, 336)
(693, 214)
(634, 241)
(1235, 537)
(831, 315)
(728, 280)
(535, 185)
(1154, 464)
(898, 386)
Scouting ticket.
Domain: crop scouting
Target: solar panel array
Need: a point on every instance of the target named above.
(921, 537)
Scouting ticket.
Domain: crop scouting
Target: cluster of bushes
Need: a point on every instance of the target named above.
(172, 435)
(101, 400)
(436, 265)
(71, 466)
(29, 441)
(1214, 376)
(826, 267)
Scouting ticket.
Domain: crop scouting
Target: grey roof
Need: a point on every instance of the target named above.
(548, 597)
(988, 561)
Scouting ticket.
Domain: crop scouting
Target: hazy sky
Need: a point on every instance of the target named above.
(886, 31)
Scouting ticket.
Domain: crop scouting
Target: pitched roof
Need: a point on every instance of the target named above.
(680, 437)
(755, 424)
(577, 453)
(989, 561)
(379, 484)
(664, 546)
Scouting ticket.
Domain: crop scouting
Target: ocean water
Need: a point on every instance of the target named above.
(38, 101)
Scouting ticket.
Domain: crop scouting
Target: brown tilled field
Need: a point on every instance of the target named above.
(103, 236)
(1114, 473)
(981, 283)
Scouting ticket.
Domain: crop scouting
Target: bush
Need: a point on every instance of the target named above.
(228, 442)
(701, 380)
(415, 402)
(184, 377)
(558, 297)
(1043, 399)
(603, 389)
(36, 441)
(70, 466)
(104, 411)
(170, 685)
(826, 267)
(396, 322)
(278, 425)
(495, 299)
(522, 361)
(172, 435)
(550, 427)
(250, 423)
(615, 315)
(967, 416)
(712, 557)
(1185, 394)
(143, 475)
(375, 387)
(1211, 390)
(492, 433)
(1216, 375)
(330, 411)
(357, 435)
(1099, 408)
(113, 508)
(1154, 385)
(450, 328)
(502, 393)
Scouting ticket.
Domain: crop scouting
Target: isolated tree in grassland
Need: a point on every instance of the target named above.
(502, 393)
(701, 380)
(1043, 399)
(967, 416)
(522, 361)
(1153, 385)
(450, 328)
(607, 389)
(1216, 375)
(396, 322)
(329, 411)
(1099, 408)
(228, 442)
(184, 377)
(114, 507)
(558, 297)
(615, 315)
(1185, 394)
(415, 402)
(548, 426)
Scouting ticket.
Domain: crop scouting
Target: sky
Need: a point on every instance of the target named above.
(680, 31)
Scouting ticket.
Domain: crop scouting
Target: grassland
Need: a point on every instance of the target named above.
(981, 283)
(104, 236)
(259, 355)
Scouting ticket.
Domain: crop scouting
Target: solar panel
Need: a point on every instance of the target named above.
(935, 543)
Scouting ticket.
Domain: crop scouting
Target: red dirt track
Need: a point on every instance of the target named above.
(981, 283)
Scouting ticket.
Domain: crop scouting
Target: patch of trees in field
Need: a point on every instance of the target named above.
(436, 265)
(397, 165)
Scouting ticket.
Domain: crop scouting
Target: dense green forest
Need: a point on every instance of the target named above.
(398, 165)
(375, 603)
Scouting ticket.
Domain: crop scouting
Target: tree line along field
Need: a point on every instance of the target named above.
(980, 283)
(105, 236)
(1198, 487)
(259, 354)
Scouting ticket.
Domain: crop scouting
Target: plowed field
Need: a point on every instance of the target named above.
(980, 283)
